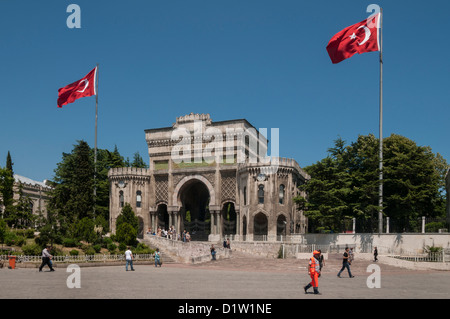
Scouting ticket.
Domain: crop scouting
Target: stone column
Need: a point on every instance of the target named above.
(152, 218)
(170, 218)
(219, 223)
(213, 227)
(238, 225)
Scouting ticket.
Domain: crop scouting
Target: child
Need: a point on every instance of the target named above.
(157, 258)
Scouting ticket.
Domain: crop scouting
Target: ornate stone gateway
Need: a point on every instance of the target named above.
(213, 180)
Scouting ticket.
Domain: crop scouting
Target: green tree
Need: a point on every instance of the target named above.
(22, 214)
(127, 216)
(345, 184)
(3, 230)
(138, 161)
(105, 161)
(127, 224)
(7, 190)
(72, 195)
(84, 230)
(328, 191)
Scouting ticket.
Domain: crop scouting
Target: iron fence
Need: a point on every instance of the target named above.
(80, 258)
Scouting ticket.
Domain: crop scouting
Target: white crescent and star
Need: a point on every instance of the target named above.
(366, 32)
(85, 86)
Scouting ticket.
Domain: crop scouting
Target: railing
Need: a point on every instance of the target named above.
(424, 257)
(80, 258)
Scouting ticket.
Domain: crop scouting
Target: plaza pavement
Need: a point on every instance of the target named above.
(239, 277)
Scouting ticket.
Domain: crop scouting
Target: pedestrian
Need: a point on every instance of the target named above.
(129, 259)
(351, 256)
(345, 264)
(213, 252)
(321, 261)
(228, 243)
(375, 254)
(314, 272)
(46, 259)
(157, 258)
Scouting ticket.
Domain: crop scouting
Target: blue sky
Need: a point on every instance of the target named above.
(262, 60)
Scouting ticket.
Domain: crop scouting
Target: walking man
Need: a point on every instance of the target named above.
(345, 264)
(129, 259)
(46, 257)
(314, 272)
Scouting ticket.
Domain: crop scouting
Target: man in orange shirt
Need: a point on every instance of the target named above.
(314, 271)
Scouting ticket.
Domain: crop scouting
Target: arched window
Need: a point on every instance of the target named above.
(138, 198)
(121, 200)
(281, 194)
(261, 194)
(245, 195)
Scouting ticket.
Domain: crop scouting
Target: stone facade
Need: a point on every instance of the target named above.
(36, 191)
(212, 179)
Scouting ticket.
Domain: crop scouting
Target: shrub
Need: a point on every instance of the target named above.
(106, 241)
(31, 249)
(29, 233)
(89, 250)
(97, 248)
(143, 249)
(10, 238)
(84, 230)
(69, 242)
(74, 252)
(126, 233)
(112, 248)
(21, 240)
(122, 246)
(56, 251)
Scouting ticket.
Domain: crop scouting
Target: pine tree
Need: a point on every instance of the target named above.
(7, 189)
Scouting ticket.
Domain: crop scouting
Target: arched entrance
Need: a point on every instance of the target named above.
(229, 219)
(260, 227)
(281, 227)
(162, 217)
(195, 217)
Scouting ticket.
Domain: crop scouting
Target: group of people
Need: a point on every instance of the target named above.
(129, 259)
(171, 233)
(226, 244)
(316, 262)
(47, 259)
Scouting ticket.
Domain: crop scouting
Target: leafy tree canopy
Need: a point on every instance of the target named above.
(345, 184)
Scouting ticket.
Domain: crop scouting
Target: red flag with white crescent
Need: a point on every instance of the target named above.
(81, 88)
(358, 38)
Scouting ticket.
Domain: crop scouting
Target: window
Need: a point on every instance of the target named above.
(138, 198)
(245, 195)
(281, 194)
(261, 194)
(121, 201)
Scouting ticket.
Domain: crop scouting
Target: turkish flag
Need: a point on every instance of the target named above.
(81, 88)
(358, 38)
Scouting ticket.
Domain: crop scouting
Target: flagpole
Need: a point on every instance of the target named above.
(95, 147)
(380, 197)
